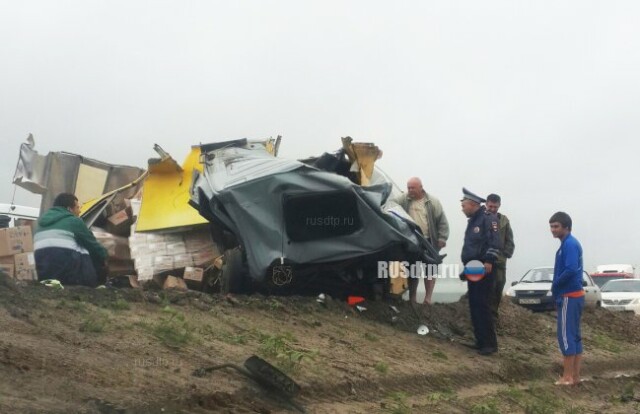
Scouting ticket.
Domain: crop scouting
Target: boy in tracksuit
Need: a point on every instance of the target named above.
(569, 296)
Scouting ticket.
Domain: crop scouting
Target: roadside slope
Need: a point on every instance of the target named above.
(128, 351)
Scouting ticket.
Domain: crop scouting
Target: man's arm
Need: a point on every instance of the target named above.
(441, 221)
(86, 239)
(509, 245)
(492, 232)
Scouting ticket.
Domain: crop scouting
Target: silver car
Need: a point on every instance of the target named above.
(533, 290)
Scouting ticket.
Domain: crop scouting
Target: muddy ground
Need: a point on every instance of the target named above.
(82, 350)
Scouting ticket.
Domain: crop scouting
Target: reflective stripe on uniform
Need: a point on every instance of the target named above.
(57, 238)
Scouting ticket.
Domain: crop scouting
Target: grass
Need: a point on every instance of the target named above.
(488, 407)
(233, 339)
(172, 329)
(627, 393)
(440, 355)
(119, 304)
(381, 367)
(371, 337)
(397, 404)
(283, 348)
(607, 343)
(446, 395)
(77, 306)
(95, 322)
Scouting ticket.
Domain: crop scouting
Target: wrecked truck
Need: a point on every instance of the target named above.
(304, 226)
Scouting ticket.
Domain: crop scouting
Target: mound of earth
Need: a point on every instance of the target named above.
(132, 351)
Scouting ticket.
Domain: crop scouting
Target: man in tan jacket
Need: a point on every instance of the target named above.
(508, 246)
(428, 214)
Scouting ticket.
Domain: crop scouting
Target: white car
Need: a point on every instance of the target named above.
(622, 295)
(533, 290)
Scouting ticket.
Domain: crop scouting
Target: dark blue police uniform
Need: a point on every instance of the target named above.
(482, 243)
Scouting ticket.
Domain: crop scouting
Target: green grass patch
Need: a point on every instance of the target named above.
(173, 330)
(285, 350)
(96, 322)
(606, 342)
(440, 355)
(486, 407)
(371, 337)
(396, 403)
(119, 305)
(382, 367)
(446, 395)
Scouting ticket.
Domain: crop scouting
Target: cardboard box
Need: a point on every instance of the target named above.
(26, 274)
(10, 243)
(182, 260)
(163, 262)
(158, 248)
(197, 239)
(172, 282)
(193, 273)
(15, 240)
(7, 260)
(24, 261)
(138, 251)
(118, 218)
(176, 248)
(143, 262)
(144, 273)
(117, 247)
(120, 223)
(26, 238)
(202, 257)
(120, 267)
(7, 269)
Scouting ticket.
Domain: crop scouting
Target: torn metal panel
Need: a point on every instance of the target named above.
(165, 195)
(59, 172)
(363, 156)
(286, 210)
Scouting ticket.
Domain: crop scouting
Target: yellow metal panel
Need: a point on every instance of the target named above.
(165, 195)
(87, 205)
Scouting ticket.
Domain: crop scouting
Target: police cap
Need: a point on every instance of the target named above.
(468, 195)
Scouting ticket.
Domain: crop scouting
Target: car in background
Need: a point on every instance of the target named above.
(605, 273)
(622, 295)
(533, 290)
(12, 215)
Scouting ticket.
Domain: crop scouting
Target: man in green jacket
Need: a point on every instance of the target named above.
(428, 214)
(508, 246)
(64, 248)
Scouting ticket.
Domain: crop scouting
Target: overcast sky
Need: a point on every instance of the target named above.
(537, 101)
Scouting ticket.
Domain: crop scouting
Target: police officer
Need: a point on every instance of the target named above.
(479, 254)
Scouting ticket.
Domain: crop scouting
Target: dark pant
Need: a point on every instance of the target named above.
(501, 278)
(65, 265)
(480, 297)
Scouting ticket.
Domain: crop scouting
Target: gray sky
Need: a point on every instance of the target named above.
(537, 101)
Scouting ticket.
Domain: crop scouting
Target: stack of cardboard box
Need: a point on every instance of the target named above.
(16, 253)
(187, 253)
(118, 256)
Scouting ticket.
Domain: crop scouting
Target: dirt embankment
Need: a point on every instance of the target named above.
(129, 351)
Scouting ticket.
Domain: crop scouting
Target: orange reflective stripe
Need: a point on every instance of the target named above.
(576, 294)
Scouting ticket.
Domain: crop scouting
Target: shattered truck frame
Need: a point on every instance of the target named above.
(301, 225)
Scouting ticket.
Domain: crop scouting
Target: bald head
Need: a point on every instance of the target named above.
(414, 188)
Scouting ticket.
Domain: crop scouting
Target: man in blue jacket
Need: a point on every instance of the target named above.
(569, 296)
(64, 248)
(480, 252)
